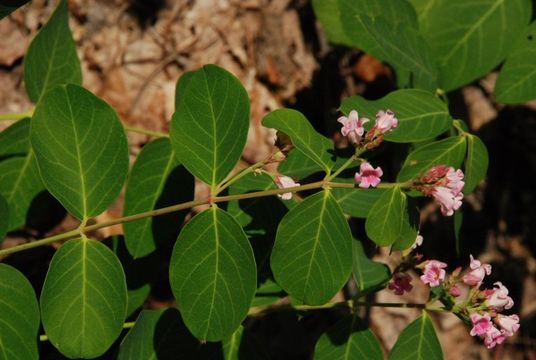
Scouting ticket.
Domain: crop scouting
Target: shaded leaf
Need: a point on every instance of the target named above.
(15, 140)
(213, 274)
(348, 339)
(458, 221)
(449, 151)
(312, 256)
(304, 137)
(84, 299)
(210, 125)
(418, 341)
(51, 58)
(469, 38)
(4, 218)
(410, 226)
(476, 163)
(7, 7)
(156, 181)
(19, 325)
(369, 275)
(297, 165)
(267, 293)
(421, 115)
(356, 202)
(81, 149)
(328, 13)
(385, 220)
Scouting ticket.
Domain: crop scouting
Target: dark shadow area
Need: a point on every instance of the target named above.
(45, 213)
(145, 11)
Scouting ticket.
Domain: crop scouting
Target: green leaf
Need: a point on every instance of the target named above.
(348, 339)
(403, 46)
(51, 58)
(517, 79)
(394, 11)
(84, 299)
(458, 222)
(20, 183)
(210, 125)
(298, 165)
(267, 293)
(476, 163)
(19, 325)
(418, 341)
(213, 274)
(4, 218)
(181, 85)
(421, 115)
(470, 38)
(312, 255)
(369, 275)
(8, 6)
(385, 219)
(158, 334)
(304, 137)
(156, 181)
(15, 140)
(449, 151)
(355, 201)
(328, 13)
(410, 226)
(81, 149)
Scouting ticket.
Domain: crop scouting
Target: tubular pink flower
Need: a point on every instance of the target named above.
(499, 299)
(447, 200)
(433, 272)
(455, 291)
(508, 324)
(481, 324)
(493, 337)
(400, 282)
(284, 182)
(477, 273)
(455, 180)
(368, 176)
(385, 121)
(352, 127)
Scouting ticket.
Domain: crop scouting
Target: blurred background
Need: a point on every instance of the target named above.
(132, 54)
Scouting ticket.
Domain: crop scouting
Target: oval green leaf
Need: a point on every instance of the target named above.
(312, 255)
(421, 115)
(210, 125)
(213, 274)
(51, 58)
(449, 151)
(356, 202)
(304, 137)
(385, 220)
(470, 38)
(84, 299)
(476, 163)
(418, 341)
(156, 181)
(20, 183)
(19, 326)
(410, 226)
(15, 140)
(81, 149)
(369, 275)
(517, 79)
(4, 218)
(348, 339)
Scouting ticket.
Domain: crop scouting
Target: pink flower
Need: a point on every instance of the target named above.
(499, 298)
(400, 282)
(418, 241)
(385, 121)
(448, 201)
(481, 324)
(455, 180)
(477, 273)
(284, 182)
(493, 337)
(455, 291)
(352, 126)
(508, 324)
(433, 272)
(368, 176)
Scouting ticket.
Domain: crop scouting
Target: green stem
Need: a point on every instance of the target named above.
(145, 131)
(16, 116)
(169, 209)
(347, 164)
(225, 184)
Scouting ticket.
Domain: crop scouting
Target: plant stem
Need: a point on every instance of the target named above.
(126, 325)
(16, 116)
(145, 131)
(240, 175)
(169, 209)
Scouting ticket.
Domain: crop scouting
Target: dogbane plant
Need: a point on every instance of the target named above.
(262, 241)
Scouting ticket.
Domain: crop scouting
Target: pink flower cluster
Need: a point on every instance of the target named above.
(482, 307)
(445, 185)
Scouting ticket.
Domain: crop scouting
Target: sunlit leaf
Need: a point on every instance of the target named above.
(84, 299)
(418, 341)
(51, 58)
(213, 274)
(81, 149)
(19, 324)
(312, 255)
